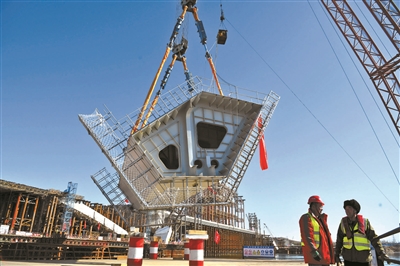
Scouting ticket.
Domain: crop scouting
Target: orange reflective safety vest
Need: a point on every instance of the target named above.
(315, 235)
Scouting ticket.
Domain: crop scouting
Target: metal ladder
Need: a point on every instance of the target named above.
(251, 135)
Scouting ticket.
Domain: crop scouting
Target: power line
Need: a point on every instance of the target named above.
(312, 114)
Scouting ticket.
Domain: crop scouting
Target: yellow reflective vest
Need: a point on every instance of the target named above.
(360, 241)
(315, 226)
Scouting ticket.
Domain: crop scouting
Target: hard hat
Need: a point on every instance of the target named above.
(316, 199)
(352, 203)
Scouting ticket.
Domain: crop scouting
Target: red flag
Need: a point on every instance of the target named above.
(261, 147)
(98, 227)
(217, 237)
(84, 224)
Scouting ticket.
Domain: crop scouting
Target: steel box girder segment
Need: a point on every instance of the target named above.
(106, 136)
(169, 195)
(166, 199)
(239, 169)
(369, 55)
(100, 124)
(169, 100)
(141, 201)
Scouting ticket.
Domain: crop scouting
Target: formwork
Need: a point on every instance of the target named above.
(59, 248)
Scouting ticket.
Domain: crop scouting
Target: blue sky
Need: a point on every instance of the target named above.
(64, 58)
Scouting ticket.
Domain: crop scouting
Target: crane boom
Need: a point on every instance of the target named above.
(386, 13)
(380, 70)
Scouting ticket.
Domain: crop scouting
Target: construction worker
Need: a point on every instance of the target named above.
(316, 241)
(354, 238)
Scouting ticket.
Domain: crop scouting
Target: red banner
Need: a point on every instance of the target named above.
(217, 237)
(261, 147)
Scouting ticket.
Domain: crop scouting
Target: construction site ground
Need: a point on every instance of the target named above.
(158, 262)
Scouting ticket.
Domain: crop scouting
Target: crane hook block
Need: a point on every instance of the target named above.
(222, 36)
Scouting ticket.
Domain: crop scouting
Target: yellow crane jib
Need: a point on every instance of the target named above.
(153, 84)
(163, 83)
(153, 104)
(214, 72)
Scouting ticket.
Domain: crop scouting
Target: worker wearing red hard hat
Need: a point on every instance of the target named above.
(355, 236)
(316, 241)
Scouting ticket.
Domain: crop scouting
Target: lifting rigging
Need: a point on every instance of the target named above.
(223, 32)
(380, 70)
(178, 50)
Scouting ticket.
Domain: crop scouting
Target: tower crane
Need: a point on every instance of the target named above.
(380, 70)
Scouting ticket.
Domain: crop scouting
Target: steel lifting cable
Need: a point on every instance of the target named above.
(222, 17)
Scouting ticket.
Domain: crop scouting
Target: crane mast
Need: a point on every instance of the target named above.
(380, 70)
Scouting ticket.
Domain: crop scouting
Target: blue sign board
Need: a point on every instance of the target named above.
(258, 252)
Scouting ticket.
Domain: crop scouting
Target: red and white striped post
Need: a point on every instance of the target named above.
(187, 250)
(196, 245)
(153, 248)
(135, 251)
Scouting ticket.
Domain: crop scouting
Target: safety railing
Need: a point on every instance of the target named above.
(390, 233)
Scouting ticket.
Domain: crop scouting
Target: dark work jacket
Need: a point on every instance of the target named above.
(352, 254)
